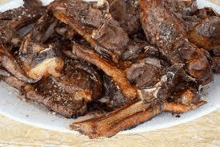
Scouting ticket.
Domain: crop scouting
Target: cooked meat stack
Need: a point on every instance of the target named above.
(123, 62)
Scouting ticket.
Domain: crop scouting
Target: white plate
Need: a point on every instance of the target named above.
(36, 115)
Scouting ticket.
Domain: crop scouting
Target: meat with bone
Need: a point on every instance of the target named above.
(40, 59)
(94, 23)
(180, 7)
(126, 13)
(165, 31)
(145, 73)
(156, 95)
(122, 62)
(8, 62)
(85, 84)
(206, 34)
(16, 23)
(113, 97)
(117, 75)
(154, 102)
(65, 95)
(216, 64)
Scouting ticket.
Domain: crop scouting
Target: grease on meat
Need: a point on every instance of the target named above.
(122, 62)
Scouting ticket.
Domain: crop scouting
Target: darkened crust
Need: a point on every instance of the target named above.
(122, 62)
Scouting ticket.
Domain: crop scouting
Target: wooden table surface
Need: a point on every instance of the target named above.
(202, 132)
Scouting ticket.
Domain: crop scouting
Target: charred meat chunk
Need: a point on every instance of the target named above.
(122, 62)
(94, 23)
(166, 32)
(39, 59)
(16, 24)
(216, 64)
(145, 73)
(206, 34)
(126, 13)
(113, 97)
(67, 95)
(154, 102)
(81, 80)
(117, 75)
(180, 7)
(9, 62)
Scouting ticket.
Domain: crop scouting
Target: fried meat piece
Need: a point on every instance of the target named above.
(16, 24)
(94, 23)
(154, 101)
(117, 75)
(8, 62)
(37, 58)
(126, 13)
(206, 34)
(67, 95)
(166, 32)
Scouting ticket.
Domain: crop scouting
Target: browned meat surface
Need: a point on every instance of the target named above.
(216, 64)
(126, 13)
(32, 3)
(113, 97)
(117, 75)
(41, 60)
(122, 62)
(206, 34)
(201, 24)
(165, 31)
(197, 17)
(66, 95)
(13, 81)
(55, 98)
(65, 31)
(81, 80)
(134, 50)
(16, 23)
(94, 23)
(145, 73)
(11, 65)
(31, 9)
(180, 7)
(154, 101)
(38, 59)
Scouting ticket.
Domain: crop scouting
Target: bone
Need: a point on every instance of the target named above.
(180, 108)
(117, 75)
(109, 124)
(10, 64)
